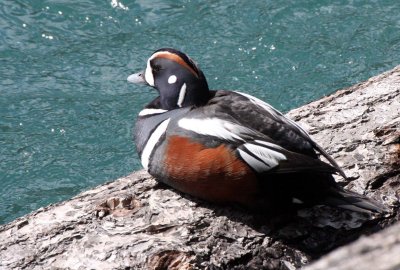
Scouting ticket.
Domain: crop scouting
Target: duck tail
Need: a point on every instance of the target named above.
(355, 202)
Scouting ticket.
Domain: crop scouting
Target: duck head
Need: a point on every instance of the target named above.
(177, 78)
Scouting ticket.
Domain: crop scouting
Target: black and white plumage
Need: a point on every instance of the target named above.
(230, 147)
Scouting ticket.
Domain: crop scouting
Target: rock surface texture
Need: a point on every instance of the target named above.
(136, 223)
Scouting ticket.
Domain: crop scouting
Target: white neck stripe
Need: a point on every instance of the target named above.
(182, 94)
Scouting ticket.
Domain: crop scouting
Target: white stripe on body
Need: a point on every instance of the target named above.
(256, 164)
(269, 157)
(151, 111)
(152, 141)
(215, 127)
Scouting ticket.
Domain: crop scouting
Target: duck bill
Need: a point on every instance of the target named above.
(137, 78)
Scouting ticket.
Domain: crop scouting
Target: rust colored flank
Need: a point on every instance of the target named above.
(212, 173)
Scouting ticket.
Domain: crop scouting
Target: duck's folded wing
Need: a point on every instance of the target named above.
(266, 157)
(260, 152)
(263, 118)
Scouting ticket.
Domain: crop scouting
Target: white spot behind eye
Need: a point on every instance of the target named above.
(172, 79)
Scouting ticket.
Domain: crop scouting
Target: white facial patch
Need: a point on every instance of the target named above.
(172, 79)
(182, 94)
(148, 74)
(152, 141)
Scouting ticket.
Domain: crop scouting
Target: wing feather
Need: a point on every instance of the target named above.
(279, 117)
(260, 152)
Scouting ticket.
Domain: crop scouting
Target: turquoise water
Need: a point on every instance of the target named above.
(66, 111)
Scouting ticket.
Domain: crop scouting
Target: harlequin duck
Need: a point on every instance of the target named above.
(230, 147)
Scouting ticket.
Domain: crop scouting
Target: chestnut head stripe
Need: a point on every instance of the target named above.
(175, 58)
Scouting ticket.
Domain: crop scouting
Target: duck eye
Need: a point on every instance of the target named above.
(156, 68)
